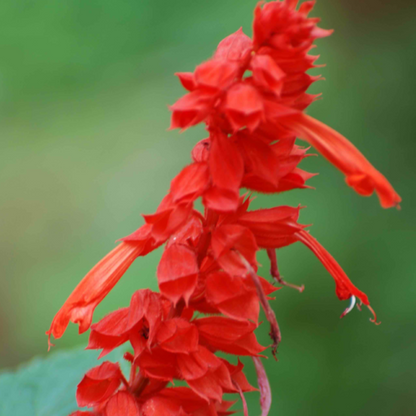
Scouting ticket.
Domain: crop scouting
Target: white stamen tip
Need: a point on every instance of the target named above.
(350, 306)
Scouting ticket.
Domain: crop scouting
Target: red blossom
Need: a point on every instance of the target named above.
(251, 96)
(137, 323)
(95, 286)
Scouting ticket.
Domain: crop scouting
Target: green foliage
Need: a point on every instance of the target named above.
(46, 386)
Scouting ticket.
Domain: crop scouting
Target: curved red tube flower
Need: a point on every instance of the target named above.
(95, 286)
(359, 172)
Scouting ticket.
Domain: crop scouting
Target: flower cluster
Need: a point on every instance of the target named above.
(251, 96)
(167, 344)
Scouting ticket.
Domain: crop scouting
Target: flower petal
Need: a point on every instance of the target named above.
(359, 172)
(344, 287)
(93, 288)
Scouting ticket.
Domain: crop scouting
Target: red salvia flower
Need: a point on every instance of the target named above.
(251, 96)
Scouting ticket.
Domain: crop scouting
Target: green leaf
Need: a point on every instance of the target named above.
(46, 386)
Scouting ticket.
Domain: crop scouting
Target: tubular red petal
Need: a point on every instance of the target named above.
(344, 287)
(264, 387)
(93, 288)
(360, 174)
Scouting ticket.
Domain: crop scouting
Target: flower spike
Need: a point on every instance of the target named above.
(251, 96)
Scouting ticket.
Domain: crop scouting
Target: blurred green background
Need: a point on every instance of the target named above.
(84, 150)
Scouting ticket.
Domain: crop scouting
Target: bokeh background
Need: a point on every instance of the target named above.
(84, 150)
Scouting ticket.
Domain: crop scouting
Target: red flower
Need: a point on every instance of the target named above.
(137, 324)
(360, 174)
(95, 286)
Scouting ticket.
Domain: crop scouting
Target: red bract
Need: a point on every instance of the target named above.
(137, 324)
(251, 96)
(178, 273)
(224, 334)
(180, 401)
(122, 404)
(233, 296)
(99, 384)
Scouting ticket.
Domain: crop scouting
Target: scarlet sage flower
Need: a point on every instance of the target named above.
(251, 96)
